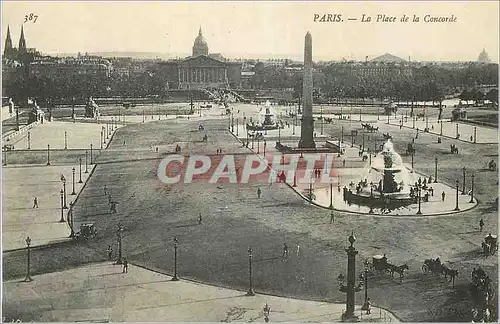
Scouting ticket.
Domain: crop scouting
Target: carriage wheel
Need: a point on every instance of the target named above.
(425, 268)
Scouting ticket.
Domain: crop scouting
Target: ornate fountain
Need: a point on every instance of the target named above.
(386, 182)
(268, 122)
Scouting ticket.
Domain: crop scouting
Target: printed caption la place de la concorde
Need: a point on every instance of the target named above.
(383, 18)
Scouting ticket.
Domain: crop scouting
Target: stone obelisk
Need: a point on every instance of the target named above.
(307, 127)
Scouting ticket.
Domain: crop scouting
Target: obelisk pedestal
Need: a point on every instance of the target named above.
(307, 127)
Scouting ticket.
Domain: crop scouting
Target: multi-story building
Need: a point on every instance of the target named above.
(201, 70)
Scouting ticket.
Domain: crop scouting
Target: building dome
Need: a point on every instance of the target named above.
(483, 57)
(200, 46)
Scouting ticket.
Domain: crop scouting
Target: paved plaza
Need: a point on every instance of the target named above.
(152, 213)
(145, 296)
(42, 224)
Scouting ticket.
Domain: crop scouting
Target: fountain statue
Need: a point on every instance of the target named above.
(385, 183)
(267, 124)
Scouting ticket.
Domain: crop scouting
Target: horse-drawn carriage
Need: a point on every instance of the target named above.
(431, 265)
(492, 166)
(380, 265)
(87, 231)
(490, 244)
(369, 127)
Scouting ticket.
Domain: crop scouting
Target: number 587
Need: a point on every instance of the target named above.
(31, 17)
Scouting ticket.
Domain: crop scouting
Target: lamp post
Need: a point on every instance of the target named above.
(371, 202)
(475, 133)
(350, 288)
(119, 233)
(176, 243)
(62, 207)
(258, 145)
(48, 154)
(472, 189)
(86, 162)
(331, 194)
(91, 155)
(456, 198)
(4, 156)
(80, 160)
(101, 138)
(232, 122)
(342, 134)
(321, 119)
(366, 263)
(419, 188)
(29, 141)
(28, 268)
(413, 124)
(456, 135)
(237, 128)
(108, 129)
(250, 289)
(265, 144)
(441, 131)
(64, 191)
(412, 155)
(463, 183)
(435, 170)
(310, 190)
(73, 178)
(363, 144)
(70, 220)
(65, 140)
(359, 114)
(353, 132)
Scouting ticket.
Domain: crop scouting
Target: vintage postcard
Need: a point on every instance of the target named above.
(249, 161)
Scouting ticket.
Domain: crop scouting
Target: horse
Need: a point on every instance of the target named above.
(450, 272)
(398, 269)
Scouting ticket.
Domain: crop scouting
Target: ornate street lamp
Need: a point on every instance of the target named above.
(91, 155)
(265, 144)
(463, 183)
(62, 207)
(29, 141)
(28, 268)
(456, 198)
(350, 289)
(472, 190)
(250, 289)
(119, 234)
(70, 219)
(342, 133)
(101, 138)
(86, 162)
(475, 133)
(331, 194)
(371, 198)
(176, 243)
(65, 140)
(80, 160)
(63, 179)
(435, 170)
(73, 173)
(419, 194)
(48, 154)
(367, 264)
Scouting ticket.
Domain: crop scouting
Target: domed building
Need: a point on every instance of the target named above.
(483, 57)
(202, 70)
(200, 46)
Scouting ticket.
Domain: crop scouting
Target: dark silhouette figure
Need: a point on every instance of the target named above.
(481, 225)
(125, 266)
(35, 202)
(110, 253)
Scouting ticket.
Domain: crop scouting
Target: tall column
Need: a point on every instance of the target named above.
(307, 129)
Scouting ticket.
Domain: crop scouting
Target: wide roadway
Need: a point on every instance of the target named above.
(234, 219)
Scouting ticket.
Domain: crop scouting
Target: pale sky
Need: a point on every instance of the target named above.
(251, 29)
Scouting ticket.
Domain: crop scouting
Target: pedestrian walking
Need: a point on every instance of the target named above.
(112, 209)
(481, 225)
(259, 192)
(368, 307)
(105, 190)
(298, 250)
(35, 202)
(110, 253)
(343, 162)
(199, 218)
(443, 195)
(332, 218)
(125, 266)
(285, 251)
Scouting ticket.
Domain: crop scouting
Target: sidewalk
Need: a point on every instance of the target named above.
(101, 292)
(78, 136)
(484, 135)
(41, 224)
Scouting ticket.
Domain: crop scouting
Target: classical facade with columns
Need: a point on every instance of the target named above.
(202, 70)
